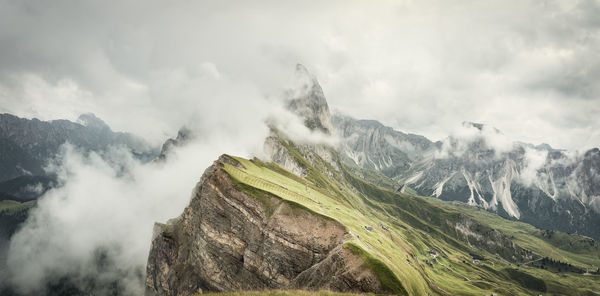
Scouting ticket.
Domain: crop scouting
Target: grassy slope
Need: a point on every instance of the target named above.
(415, 226)
(312, 197)
(284, 293)
(578, 250)
(11, 206)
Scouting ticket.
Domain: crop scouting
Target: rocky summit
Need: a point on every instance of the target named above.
(307, 100)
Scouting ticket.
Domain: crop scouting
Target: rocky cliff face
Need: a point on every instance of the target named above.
(233, 237)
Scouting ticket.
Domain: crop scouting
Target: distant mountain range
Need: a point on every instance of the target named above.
(560, 192)
(546, 187)
(27, 146)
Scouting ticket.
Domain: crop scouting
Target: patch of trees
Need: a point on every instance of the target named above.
(477, 257)
(556, 265)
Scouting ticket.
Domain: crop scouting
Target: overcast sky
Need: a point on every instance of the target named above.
(529, 68)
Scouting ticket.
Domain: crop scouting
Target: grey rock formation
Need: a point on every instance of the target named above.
(184, 136)
(371, 145)
(308, 101)
(231, 239)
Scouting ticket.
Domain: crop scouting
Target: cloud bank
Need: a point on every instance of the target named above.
(419, 66)
(95, 228)
(529, 68)
(98, 224)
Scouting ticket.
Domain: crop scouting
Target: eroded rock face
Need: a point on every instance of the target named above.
(280, 154)
(308, 101)
(228, 239)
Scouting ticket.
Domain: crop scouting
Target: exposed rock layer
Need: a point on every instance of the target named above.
(232, 239)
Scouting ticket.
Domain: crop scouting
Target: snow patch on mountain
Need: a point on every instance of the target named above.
(439, 187)
(545, 182)
(414, 178)
(501, 189)
(473, 188)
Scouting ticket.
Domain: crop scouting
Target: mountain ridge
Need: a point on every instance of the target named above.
(27, 144)
(398, 230)
(417, 244)
(472, 175)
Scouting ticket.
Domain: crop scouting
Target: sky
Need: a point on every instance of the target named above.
(529, 68)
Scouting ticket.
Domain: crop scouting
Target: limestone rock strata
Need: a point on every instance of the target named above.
(228, 239)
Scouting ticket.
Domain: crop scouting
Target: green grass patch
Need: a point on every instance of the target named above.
(11, 206)
(413, 226)
(388, 279)
(265, 198)
(526, 280)
(284, 293)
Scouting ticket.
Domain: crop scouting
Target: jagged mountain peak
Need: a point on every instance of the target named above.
(476, 125)
(184, 135)
(480, 126)
(544, 146)
(92, 121)
(26, 144)
(594, 152)
(307, 100)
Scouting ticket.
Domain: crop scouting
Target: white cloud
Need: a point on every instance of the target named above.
(466, 135)
(422, 67)
(534, 161)
(110, 202)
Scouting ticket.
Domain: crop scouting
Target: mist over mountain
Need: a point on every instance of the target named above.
(333, 154)
(28, 144)
(307, 148)
(30, 152)
(30, 147)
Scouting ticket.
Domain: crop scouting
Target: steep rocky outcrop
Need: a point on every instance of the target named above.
(307, 100)
(236, 237)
